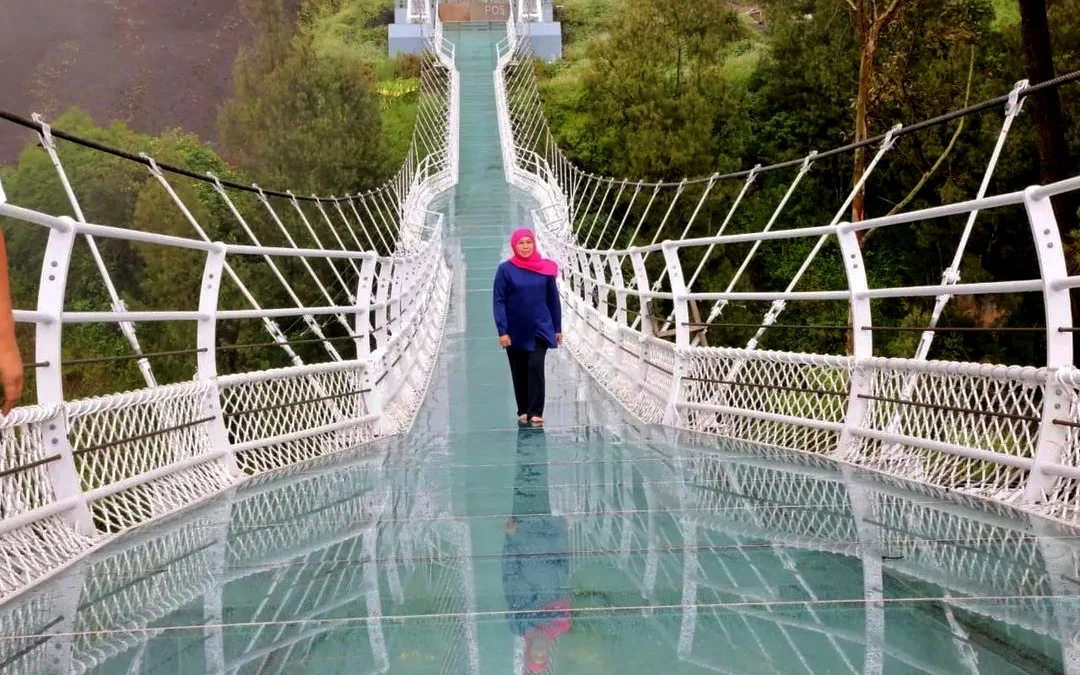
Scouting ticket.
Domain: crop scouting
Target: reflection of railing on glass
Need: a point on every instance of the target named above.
(224, 557)
(725, 556)
(374, 276)
(638, 323)
(750, 552)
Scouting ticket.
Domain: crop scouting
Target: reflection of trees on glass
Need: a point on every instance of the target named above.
(536, 558)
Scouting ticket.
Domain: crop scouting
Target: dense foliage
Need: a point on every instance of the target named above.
(657, 89)
(318, 108)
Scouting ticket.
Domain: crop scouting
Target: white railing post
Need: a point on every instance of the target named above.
(1052, 437)
(380, 362)
(408, 315)
(682, 329)
(65, 598)
(362, 327)
(206, 336)
(615, 265)
(594, 263)
(588, 285)
(213, 609)
(66, 482)
(382, 294)
(372, 600)
(860, 379)
(641, 279)
(454, 140)
(399, 282)
(870, 553)
(1060, 562)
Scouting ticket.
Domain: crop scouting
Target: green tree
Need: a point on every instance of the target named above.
(655, 87)
(301, 119)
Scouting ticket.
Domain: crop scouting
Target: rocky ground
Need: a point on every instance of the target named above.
(154, 64)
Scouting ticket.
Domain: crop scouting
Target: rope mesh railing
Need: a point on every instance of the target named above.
(679, 307)
(283, 327)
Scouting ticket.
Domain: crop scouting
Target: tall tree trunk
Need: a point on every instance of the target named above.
(867, 47)
(862, 127)
(866, 31)
(871, 20)
(1054, 161)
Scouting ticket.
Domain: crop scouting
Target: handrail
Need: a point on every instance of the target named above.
(1001, 434)
(87, 469)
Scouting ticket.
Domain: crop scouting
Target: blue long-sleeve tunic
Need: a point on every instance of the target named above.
(527, 307)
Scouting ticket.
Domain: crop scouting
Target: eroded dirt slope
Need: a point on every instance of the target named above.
(154, 64)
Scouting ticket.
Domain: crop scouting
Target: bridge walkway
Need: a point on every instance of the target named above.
(434, 552)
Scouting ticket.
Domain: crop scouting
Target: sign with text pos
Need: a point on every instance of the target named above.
(474, 11)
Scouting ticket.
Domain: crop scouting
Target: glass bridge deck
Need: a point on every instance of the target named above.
(593, 546)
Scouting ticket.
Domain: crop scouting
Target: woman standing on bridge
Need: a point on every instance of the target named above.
(528, 316)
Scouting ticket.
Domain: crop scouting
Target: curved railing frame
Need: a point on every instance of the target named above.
(683, 384)
(75, 473)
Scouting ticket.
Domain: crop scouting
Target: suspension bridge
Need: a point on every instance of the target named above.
(371, 506)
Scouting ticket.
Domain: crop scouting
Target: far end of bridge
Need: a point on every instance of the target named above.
(406, 34)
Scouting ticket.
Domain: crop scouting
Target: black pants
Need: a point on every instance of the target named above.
(527, 371)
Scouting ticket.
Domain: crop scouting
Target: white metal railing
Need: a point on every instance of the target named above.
(637, 317)
(419, 11)
(358, 294)
(724, 500)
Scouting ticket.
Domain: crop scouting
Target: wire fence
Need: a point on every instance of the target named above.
(281, 328)
(678, 308)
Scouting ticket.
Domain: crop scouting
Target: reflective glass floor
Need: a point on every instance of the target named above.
(592, 546)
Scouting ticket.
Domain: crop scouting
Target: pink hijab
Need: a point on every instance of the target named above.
(535, 262)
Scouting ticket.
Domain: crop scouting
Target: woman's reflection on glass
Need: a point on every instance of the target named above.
(536, 558)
